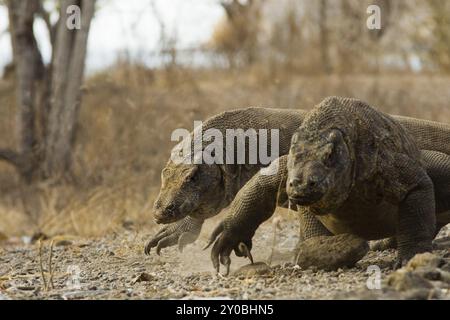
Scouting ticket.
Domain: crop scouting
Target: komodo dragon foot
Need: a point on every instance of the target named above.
(182, 232)
(225, 239)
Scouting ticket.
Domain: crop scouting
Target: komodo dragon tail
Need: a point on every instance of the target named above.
(430, 135)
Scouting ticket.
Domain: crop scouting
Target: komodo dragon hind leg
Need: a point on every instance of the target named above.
(416, 221)
(437, 165)
(438, 168)
(182, 232)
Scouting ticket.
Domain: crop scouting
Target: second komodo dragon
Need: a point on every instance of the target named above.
(191, 193)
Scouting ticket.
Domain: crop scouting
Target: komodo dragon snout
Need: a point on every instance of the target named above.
(185, 189)
(319, 169)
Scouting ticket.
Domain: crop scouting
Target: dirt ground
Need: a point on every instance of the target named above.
(114, 267)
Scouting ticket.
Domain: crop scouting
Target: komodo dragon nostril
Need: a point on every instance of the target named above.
(312, 183)
(294, 183)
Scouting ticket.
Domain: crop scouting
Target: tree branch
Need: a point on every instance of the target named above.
(45, 15)
(11, 157)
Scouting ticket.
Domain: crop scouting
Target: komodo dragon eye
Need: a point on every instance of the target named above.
(330, 154)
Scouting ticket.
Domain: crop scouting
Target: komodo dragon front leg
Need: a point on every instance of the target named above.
(180, 233)
(253, 204)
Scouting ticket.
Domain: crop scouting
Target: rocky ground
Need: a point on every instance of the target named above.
(114, 267)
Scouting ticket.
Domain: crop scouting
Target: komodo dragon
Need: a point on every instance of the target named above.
(350, 169)
(191, 193)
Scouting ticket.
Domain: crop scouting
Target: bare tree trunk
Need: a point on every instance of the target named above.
(67, 77)
(350, 36)
(29, 69)
(48, 99)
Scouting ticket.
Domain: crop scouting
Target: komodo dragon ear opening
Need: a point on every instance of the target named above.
(192, 172)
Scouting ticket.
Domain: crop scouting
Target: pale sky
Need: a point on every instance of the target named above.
(130, 27)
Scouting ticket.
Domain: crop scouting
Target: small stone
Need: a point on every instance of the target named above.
(63, 243)
(403, 280)
(143, 277)
(4, 297)
(445, 277)
(128, 224)
(426, 259)
(429, 274)
(250, 270)
(26, 288)
(441, 244)
(420, 294)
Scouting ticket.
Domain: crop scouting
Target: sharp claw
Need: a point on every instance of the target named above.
(181, 244)
(215, 257)
(216, 266)
(185, 239)
(211, 241)
(226, 261)
(218, 230)
(250, 257)
(244, 249)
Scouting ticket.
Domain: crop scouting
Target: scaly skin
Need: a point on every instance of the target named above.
(202, 191)
(379, 184)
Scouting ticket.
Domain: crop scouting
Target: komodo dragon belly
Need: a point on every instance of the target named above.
(369, 222)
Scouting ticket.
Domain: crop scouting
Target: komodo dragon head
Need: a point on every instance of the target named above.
(319, 168)
(187, 189)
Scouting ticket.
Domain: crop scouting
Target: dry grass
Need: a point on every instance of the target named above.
(128, 114)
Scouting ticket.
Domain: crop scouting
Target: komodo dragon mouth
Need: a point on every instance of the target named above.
(172, 212)
(306, 200)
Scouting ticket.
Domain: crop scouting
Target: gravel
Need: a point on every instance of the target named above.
(115, 267)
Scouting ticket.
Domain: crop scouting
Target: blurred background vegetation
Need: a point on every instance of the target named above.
(268, 53)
